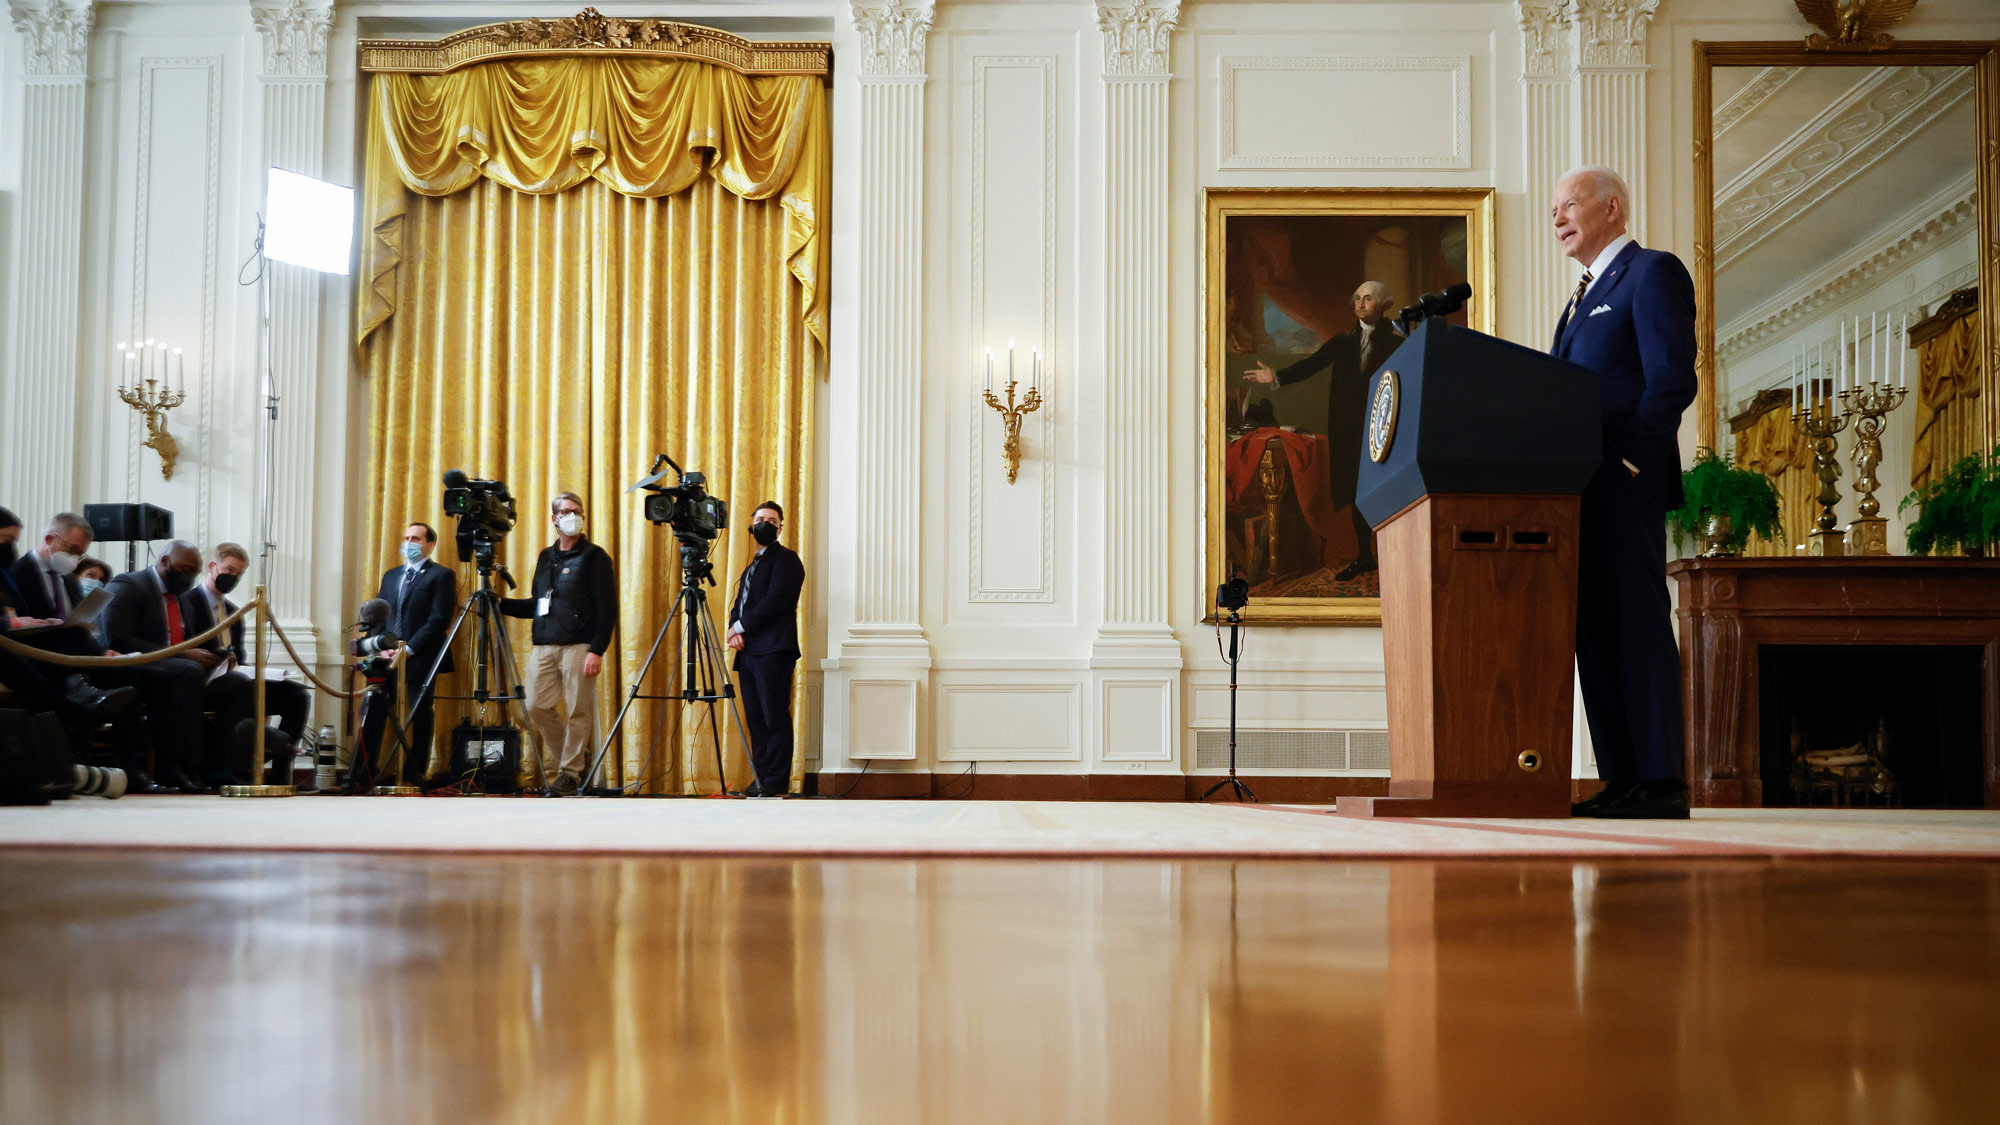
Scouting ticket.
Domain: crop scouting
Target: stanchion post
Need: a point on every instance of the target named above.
(257, 788)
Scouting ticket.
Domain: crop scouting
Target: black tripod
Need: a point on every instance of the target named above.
(377, 698)
(490, 651)
(1234, 654)
(704, 675)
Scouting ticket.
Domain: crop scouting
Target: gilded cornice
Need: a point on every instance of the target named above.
(592, 33)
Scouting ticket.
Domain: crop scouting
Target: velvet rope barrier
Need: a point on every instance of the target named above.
(30, 652)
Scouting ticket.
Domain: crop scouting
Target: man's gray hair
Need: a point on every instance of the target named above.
(1380, 290)
(1605, 185)
(62, 523)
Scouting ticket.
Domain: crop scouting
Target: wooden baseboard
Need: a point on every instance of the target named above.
(982, 786)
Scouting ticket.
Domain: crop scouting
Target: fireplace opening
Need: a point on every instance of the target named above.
(1870, 725)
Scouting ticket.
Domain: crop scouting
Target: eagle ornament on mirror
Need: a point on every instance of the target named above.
(1853, 25)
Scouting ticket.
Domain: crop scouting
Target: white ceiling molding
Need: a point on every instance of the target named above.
(1755, 93)
(1928, 222)
(1880, 113)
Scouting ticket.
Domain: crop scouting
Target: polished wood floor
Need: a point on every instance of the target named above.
(302, 988)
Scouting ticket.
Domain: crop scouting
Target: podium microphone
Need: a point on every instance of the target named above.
(1447, 302)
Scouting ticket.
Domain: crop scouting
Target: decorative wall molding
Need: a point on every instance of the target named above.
(1004, 718)
(1949, 213)
(203, 357)
(1881, 112)
(1612, 33)
(55, 37)
(591, 32)
(1138, 38)
(1039, 450)
(294, 35)
(1458, 67)
(893, 36)
(1545, 35)
(1760, 89)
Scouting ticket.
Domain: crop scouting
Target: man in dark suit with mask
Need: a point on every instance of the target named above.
(146, 614)
(764, 631)
(1350, 360)
(422, 595)
(1631, 320)
(209, 603)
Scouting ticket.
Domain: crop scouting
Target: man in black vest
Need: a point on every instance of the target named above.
(764, 631)
(422, 595)
(1350, 361)
(575, 610)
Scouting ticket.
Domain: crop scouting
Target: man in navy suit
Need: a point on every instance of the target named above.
(764, 631)
(422, 595)
(1631, 320)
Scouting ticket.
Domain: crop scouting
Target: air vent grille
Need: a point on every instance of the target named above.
(1305, 750)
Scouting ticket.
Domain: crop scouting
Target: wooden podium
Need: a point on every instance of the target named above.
(1476, 453)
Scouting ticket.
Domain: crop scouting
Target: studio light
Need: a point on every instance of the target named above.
(308, 222)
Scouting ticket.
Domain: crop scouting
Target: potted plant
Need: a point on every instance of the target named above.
(1959, 508)
(1725, 505)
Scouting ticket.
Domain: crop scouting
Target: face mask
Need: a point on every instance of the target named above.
(62, 562)
(764, 533)
(570, 524)
(412, 553)
(176, 581)
(226, 582)
(90, 586)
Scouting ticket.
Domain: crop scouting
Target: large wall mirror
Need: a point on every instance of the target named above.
(1847, 195)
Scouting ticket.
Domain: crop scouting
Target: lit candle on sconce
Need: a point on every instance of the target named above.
(146, 361)
(1010, 364)
(180, 371)
(1035, 379)
(989, 369)
(1903, 367)
(124, 363)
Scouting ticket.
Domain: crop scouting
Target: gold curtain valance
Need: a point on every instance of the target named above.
(644, 127)
(1949, 379)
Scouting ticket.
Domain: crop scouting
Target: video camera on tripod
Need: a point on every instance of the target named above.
(374, 640)
(696, 517)
(485, 511)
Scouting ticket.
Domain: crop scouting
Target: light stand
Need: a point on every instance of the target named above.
(1240, 590)
(307, 223)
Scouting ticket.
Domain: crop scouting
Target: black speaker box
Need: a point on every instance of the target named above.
(124, 523)
(489, 756)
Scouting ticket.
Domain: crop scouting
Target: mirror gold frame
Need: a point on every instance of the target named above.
(1983, 57)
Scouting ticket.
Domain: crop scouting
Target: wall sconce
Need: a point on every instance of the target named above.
(1010, 413)
(151, 385)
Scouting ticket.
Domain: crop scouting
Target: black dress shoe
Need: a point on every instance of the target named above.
(1611, 792)
(83, 700)
(181, 782)
(1648, 800)
(139, 781)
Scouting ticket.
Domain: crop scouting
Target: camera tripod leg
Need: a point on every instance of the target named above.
(713, 643)
(638, 681)
(508, 673)
(425, 689)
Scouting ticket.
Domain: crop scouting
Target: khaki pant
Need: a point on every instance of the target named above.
(562, 704)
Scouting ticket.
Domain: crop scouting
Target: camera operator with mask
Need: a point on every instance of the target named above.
(422, 595)
(575, 610)
(764, 631)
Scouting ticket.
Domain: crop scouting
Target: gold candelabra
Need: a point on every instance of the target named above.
(150, 385)
(1868, 534)
(1011, 411)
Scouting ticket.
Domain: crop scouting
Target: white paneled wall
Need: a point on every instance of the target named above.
(1031, 171)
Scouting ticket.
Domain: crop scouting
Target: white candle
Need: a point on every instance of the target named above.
(1793, 386)
(145, 361)
(166, 374)
(1903, 345)
(989, 369)
(1010, 364)
(122, 367)
(180, 370)
(1035, 376)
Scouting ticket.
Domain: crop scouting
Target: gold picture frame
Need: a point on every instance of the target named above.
(1281, 269)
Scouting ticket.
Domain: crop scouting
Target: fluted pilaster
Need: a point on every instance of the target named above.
(889, 390)
(293, 84)
(44, 359)
(1608, 98)
(1546, 67)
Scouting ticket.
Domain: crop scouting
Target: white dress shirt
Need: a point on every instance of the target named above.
(1604, 259)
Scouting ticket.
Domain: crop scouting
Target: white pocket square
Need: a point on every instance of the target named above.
(1600, 309)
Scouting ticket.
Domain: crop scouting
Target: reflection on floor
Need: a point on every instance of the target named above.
(270, 987)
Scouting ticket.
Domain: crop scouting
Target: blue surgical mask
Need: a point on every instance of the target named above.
(90, 586)
(412, 554)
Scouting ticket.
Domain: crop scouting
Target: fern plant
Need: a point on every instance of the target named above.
(1714, 486)
(1959, 509)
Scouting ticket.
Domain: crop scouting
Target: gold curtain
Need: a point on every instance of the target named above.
(1771, 445)
(557, 337)
(1947, 398)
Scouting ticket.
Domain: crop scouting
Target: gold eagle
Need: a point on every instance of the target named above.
(1853, 25)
